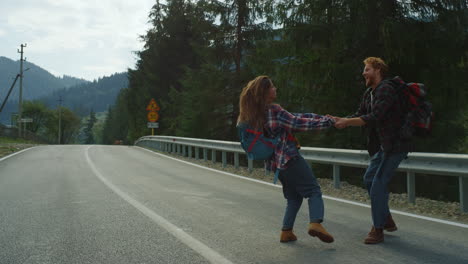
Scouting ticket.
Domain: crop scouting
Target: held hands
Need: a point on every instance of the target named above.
(340, 122)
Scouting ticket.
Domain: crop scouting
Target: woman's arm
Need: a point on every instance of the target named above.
(297, 123)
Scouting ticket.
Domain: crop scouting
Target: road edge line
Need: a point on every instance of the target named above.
(15, 153)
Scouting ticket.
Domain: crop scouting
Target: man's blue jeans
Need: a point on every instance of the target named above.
(379, 173)
(299, 182)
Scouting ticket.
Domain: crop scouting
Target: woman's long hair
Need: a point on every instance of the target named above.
(253, 102)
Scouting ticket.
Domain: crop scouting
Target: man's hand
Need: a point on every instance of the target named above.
(341, 123)
(332, 117)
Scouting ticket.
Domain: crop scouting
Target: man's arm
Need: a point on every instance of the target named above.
(346, 122)
(384, 98)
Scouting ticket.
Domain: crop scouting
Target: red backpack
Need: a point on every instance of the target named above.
(418, 121)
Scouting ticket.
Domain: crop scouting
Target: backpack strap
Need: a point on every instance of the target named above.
(277, 172)
(257, 136)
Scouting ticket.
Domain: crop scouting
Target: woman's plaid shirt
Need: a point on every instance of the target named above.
(281, 122)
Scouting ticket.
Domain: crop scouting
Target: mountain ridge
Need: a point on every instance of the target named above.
(79, 95)
(37, 81)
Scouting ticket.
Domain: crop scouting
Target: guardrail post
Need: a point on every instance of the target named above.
(411, 187)
(213, 156)
(223, 157)
(189, 151)
(336, 176)
(205, 154)
(463, 183)
(184, 150)
(250, 164)
(236, 160)
(173, 148)
(197, 153)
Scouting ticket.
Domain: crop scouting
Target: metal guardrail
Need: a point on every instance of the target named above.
(455, 165)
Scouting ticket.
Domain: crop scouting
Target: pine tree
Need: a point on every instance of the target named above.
(88, 130)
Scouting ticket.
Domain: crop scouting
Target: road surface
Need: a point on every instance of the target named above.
(120, 204)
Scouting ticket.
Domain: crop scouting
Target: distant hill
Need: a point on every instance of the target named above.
(37, 82)
(77, 94)
(97, 95)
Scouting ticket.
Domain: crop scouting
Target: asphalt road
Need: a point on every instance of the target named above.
(119, 204)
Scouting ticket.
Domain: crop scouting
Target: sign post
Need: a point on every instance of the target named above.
(152, 115)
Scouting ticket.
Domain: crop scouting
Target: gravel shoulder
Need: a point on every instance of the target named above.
(437, 209)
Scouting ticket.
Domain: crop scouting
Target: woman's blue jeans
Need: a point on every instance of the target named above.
(379, 173)
(299, 182)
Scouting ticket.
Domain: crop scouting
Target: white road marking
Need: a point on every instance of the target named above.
(324, 196)
(16, 153)
(202, 249)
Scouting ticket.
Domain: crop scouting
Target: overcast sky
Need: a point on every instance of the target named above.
(82, 38)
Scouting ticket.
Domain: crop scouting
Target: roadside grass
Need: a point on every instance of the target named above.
(11, 145)
(7, 140)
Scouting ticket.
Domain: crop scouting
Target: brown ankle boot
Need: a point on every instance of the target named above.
(375, 236)
(390, 225)
(317, 230)
(287, 236)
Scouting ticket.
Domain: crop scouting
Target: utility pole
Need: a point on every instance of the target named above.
(60, 119)
(20, 103)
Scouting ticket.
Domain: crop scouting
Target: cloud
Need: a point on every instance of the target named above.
(79, 31)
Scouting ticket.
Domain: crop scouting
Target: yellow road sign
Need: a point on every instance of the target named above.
(152, 106)
(153, 116)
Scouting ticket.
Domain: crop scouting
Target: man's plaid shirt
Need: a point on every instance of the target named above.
(281, 122)
(384, 110)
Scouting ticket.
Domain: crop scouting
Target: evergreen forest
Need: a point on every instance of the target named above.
(198, 55)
